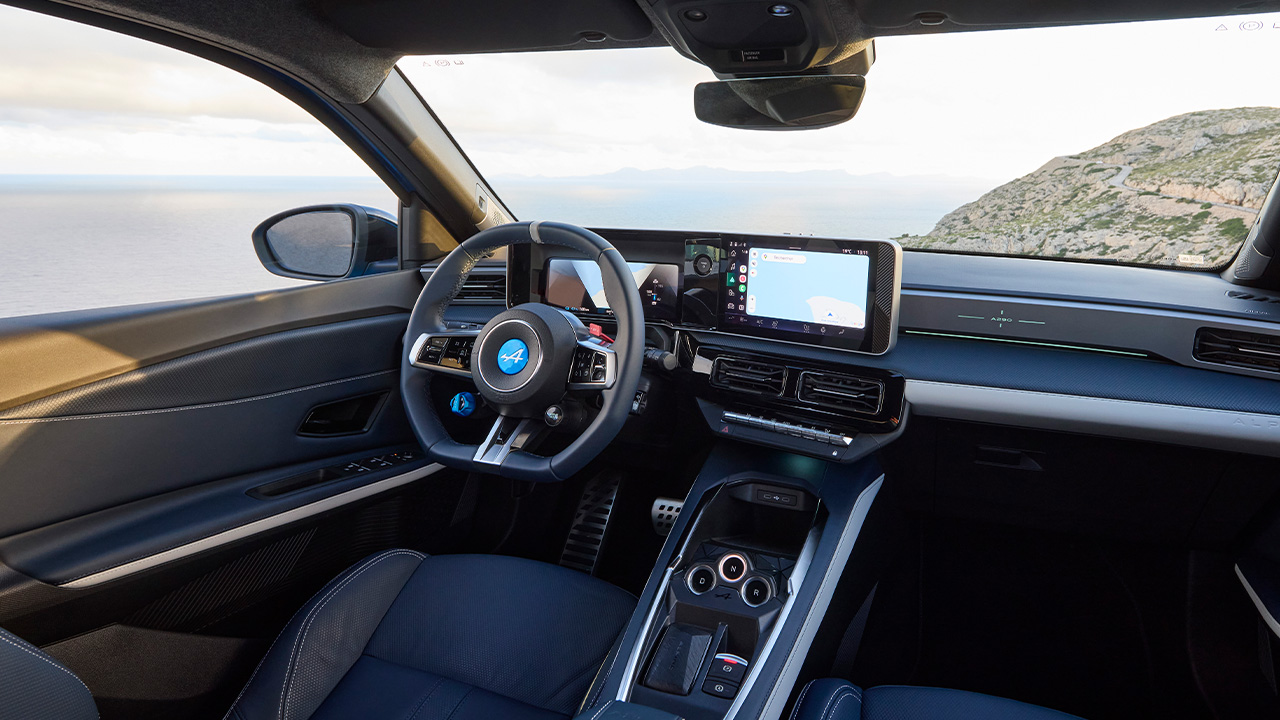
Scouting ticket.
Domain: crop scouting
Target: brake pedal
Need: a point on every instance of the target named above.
(590, 522)
(664, 513)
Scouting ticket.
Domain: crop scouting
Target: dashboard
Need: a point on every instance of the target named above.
(814, 291)
(1141, 353)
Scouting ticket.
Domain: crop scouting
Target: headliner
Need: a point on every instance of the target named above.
(315, 40)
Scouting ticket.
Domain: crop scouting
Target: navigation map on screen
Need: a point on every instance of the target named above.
(807, 287)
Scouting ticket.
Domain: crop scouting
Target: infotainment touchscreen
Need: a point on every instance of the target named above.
(814, 291)
(576, 286)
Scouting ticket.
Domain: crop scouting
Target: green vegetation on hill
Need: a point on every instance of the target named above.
(1184, 190)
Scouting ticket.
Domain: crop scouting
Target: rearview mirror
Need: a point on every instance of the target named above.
(326, 242)
(803, 102)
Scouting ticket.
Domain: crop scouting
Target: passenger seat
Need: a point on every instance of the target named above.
(841, 700)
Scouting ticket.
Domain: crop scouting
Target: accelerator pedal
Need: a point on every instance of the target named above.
(590, 522)
(663, 514)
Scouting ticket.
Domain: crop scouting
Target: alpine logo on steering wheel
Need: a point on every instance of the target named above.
(513, 356)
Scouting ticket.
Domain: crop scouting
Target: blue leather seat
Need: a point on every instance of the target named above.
(463, 637)
(399, 636)
(841, 700)
(33, 686)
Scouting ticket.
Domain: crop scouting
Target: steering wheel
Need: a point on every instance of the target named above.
(524, 360)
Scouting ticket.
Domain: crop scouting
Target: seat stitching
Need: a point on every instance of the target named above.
(795, 711)
(836, 709)
(425, 698)
(40, 656)
(604, 707)
(840, 693)
(460, 701)
(260, 664)
(295, 654)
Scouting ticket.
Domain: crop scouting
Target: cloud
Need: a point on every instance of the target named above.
(53, 64)
(81, 100)
(991, 104)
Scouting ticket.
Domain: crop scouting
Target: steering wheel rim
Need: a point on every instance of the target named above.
(502, 452)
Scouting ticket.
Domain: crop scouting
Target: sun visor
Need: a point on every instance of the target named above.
(444, 27)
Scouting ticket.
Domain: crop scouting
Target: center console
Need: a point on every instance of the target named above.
(738, 571)
(741, 585)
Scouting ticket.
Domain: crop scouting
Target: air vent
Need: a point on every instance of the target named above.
(1238, 349)
(842, 393)
(484, 288)
(1253, 297)
(751, 376)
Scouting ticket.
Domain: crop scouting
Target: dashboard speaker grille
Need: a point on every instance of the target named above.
(751, 376)
(1255, 351)
(844, 393)
(484, 287)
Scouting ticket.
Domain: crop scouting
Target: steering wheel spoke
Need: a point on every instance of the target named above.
(595, 367)
(508, 435)
(447, 352)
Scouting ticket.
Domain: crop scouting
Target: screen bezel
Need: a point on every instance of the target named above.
(883, 291)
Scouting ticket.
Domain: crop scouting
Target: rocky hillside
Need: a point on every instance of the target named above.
(1183, 191)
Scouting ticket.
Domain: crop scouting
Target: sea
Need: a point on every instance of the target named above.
(81, 242)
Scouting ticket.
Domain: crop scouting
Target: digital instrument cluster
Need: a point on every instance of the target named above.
(815, 291)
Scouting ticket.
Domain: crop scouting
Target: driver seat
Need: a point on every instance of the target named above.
(457, 637)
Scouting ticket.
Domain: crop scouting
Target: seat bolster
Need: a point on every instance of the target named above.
(904, 702)
(829, 699)
(33, 686)
(324, 639)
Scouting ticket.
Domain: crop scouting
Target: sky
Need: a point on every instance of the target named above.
(991, 104)
(80, 100)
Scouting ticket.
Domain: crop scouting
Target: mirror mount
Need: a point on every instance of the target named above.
(799, 102)
(327, 242)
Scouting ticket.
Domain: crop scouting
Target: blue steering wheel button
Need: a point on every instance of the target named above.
(464, 403)
(513, 356)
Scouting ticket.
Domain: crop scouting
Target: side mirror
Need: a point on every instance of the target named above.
(326, 242)
(802, 102)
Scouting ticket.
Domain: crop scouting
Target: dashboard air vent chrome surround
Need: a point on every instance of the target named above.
(484, 287)
(750, 376)
(841, 393)
(1237, 348)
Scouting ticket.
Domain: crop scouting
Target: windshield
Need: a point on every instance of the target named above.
(1151, 143)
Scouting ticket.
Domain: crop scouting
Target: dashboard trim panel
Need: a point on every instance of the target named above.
(1254, 433)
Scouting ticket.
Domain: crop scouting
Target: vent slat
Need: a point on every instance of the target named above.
(484, 286)
(750, 376)
(1236, 348)
(843, 393)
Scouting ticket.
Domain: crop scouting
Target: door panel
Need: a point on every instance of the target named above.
(201, 403)
(157, 498)
(46, 354)
(211, 415)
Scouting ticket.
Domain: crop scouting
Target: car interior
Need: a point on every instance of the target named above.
(496, 466)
